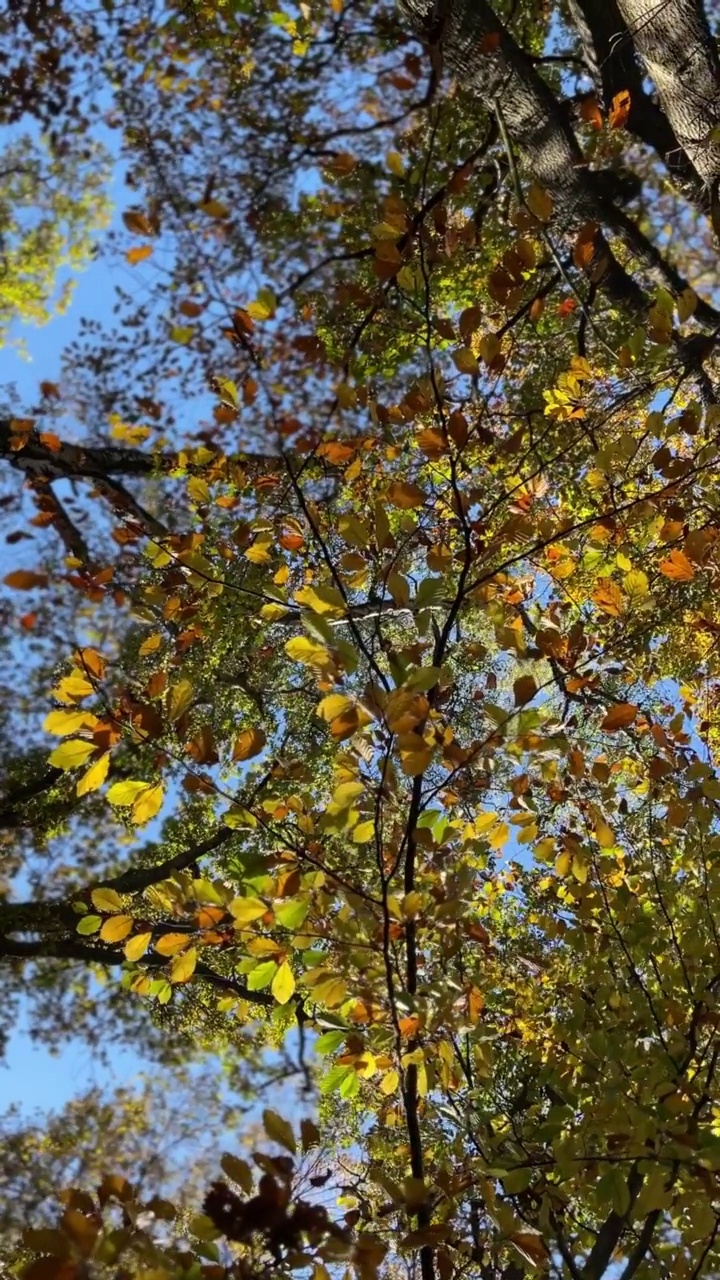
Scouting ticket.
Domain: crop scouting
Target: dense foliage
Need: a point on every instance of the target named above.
(361, 694)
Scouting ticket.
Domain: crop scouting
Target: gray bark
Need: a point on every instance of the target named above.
(488, 62)
(611, 60)
(675, 43)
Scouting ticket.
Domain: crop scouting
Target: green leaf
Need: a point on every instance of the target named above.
(261, 976)
(292, 914)
(89, 924)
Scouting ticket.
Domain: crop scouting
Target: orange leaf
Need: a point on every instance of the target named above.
(25, 580)
(608, 597)
(619, 109)
(138, 253)
(591, 113)
(676, 566)
(585, 246)
(51, 441)
(619, 716)
(93, 662)
(336, 452)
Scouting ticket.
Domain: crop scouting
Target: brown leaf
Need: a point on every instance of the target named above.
(405, 495)
(138, 223)
(249, 743)
(524, 690)
(619, 716)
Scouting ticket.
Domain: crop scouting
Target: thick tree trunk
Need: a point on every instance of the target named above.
(610, 57)
(675, 43)
(488, 62)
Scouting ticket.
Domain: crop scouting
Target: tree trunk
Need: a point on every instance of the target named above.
(675, 43)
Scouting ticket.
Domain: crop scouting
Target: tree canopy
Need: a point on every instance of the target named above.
(361, 693)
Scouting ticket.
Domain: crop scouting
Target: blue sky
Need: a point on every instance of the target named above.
(30, 1075)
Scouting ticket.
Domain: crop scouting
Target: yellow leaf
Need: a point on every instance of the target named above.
(215, 209)
(179, 699)
(389, 1082)
(364, 831)
(245, 910)
(636, 584)
(283, 984)
(72, 753)
(106, 900)
(125, 793)
(322, 600)
(182, 334)
(137, 946)
(72, 688)
(182, 967)
(172, 943)
(686, 304)
(579, 868)
(395, 163)
(498, 837)
(259, 550)
(151, 644)
(61, 723)
(465, 361)
(147, 804)
(354, 531)
(604, 834)
(279, 1130)
(415, 762)
(330, 992)
(198, 490)
(346, 793)
(489, 347)
(249, 743)
(484, 823)
(563, 863)
(116, 928)
(95, 776)
(335, 704)
(300, 649)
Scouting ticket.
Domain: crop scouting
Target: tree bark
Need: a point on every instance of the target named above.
(611, 60)
(674, 41)
(489, 63)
